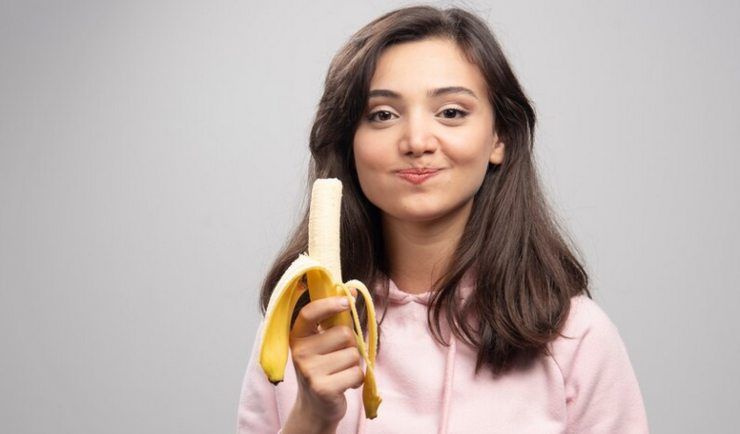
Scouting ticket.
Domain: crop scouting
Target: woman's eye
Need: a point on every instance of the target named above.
(451, 112)
(384, 115)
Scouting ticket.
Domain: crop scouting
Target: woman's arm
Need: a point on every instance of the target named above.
(257, 412)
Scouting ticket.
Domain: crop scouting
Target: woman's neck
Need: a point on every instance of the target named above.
(420, 252)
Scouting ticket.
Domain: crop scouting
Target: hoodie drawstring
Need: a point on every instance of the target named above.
(447, 391)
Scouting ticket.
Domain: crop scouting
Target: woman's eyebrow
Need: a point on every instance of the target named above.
(431, 93)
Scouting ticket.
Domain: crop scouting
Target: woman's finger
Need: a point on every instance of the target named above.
(307, 322)
(352, 377)
(343, 359)
(329, 341)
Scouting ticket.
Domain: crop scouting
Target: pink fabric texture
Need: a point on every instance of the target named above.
(588, 385)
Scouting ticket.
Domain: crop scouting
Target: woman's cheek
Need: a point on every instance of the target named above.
(368, 180)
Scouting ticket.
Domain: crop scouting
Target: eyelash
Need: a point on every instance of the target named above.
(463, 114)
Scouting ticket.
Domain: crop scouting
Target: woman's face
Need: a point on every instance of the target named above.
(428, 108)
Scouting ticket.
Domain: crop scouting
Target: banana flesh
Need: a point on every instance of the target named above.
(322, 268)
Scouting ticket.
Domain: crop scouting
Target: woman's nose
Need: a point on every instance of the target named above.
(418, 136)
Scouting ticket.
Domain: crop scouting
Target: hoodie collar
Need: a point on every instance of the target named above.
(398, 296)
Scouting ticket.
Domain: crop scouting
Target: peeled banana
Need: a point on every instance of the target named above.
(322, 268)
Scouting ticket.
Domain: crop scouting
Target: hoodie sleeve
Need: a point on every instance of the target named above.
(257, 412)
(601, 389)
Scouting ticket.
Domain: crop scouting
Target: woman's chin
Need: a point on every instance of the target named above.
(427, 211)
(417, 216)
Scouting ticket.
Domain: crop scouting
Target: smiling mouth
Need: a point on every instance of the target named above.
(417, 171)
(417, 176)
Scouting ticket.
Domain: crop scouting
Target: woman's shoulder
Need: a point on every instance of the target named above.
(601, 389)
(588, 337)
(586, 316)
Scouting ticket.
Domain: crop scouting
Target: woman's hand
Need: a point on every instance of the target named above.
(327, 363)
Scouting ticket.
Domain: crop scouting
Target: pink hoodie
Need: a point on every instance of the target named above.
(587, 386)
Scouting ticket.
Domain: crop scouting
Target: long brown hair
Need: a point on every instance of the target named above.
(525, 271)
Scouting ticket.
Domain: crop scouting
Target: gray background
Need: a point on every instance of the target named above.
(152, 160)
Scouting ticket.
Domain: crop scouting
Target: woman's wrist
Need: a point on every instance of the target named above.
(304, 420)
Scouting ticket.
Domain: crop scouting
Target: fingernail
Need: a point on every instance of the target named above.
(344, 303)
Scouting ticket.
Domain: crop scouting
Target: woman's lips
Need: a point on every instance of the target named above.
(417, 176)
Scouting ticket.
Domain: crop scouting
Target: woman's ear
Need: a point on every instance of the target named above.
(497, 150)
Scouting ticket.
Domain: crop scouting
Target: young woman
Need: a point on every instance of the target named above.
(487, 323)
